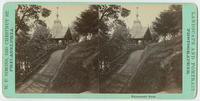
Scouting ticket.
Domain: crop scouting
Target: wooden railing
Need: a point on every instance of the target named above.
(22, 76)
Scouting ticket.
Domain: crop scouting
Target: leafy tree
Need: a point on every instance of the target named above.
(155, 36)
(176, 11)
(87, 22)
(97, 18)
(121, 34)
(39, 41)
(25, 17)
(20, 51)
(169, 22)
(163, 24)
(25, 13)
(111, 12)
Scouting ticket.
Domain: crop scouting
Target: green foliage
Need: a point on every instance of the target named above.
(87, 22)
(19, 45)
(97, 17)
(121, 34)
(112, 50)
(164, 23)
(169, 22)
(125, 12)
(25, 13)
(116, 44)
(39, 42)
(160, 67)
(45, 12)
(176, 11)
(26, 18)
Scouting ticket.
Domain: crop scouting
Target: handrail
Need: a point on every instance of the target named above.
(35, 65)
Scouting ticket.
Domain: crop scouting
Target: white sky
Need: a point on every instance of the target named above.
(68, 13)
(147, 13)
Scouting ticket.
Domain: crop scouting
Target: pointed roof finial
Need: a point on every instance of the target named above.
(137, 15)
(57, 12)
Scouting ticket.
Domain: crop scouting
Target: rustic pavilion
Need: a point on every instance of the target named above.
(138, 32)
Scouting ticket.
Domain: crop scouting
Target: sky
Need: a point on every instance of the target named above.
(147, 13)
(68, 13)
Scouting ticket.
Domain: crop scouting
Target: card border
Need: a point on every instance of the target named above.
(10, 92)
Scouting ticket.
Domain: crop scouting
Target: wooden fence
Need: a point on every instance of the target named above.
(23, 75)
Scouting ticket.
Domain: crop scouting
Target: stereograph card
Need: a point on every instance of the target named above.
(99, 50)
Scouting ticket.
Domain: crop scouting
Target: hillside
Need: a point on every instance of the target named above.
(77, 69)
(157, 69)
(86, 65)
(160, 68)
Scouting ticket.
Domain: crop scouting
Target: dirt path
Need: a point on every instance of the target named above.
(120, 80)
(39, 82)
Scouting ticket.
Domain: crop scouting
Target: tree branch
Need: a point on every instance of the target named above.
(103, 14)
(23, 16)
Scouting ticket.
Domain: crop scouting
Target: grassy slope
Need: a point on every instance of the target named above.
(160, 68)
(77, 68)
